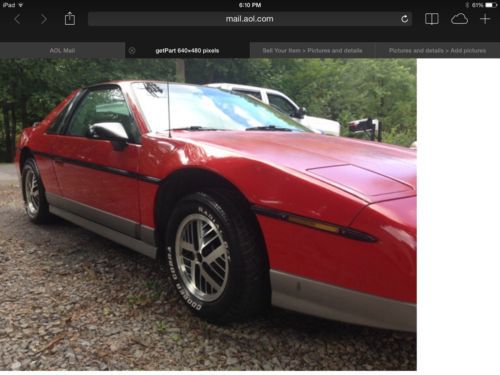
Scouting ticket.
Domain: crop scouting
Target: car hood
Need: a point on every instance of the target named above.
(372, 171)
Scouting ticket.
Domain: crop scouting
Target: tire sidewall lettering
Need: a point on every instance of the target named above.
(178, 284)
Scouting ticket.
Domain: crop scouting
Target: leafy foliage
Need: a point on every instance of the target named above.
(340, 89)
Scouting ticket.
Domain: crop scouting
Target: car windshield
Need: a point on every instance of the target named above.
(206, 108)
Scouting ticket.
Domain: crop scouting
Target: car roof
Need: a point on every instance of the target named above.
(235, 85)
(212, 85)
(130, 81)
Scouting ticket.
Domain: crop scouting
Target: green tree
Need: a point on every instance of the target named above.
(339, 89)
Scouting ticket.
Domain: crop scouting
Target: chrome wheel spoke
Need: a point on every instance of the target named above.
(215, 254)
(188, 261)
(216, 270)
(214, 284)
(187, 246)
(199, 234)
(193, 274)
(206, 242)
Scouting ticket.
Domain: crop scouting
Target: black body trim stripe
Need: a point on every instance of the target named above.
(98, 167)
(315, 224)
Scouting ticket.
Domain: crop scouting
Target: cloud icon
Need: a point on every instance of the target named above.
(459, 19)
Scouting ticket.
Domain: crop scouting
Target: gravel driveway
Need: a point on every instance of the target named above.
(72, 300)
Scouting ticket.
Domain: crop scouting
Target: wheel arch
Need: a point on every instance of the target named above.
(189, 180)
(26, 153)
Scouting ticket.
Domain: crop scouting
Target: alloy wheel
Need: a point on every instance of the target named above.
(32, 193)
(202, 257)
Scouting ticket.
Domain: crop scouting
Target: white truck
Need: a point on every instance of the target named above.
(284, 104)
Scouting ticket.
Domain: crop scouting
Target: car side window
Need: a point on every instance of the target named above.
(102, 105)
(281, 104)
(255, 94)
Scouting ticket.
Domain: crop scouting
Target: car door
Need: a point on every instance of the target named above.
(96, 180)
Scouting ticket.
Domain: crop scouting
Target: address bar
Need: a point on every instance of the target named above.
(273, 19)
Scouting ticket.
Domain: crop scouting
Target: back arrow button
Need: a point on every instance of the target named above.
(16, 19)
(44, 19)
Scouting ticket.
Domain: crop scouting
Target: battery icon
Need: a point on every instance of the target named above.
(491, 5)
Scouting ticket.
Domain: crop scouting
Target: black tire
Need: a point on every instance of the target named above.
(246, 291)
(40, 215)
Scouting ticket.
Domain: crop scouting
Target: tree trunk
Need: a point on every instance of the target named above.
(13, 131)
(24, 113)
(211, 73)
(6, 126)
(180, 70)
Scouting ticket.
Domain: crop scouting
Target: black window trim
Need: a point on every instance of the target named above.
(82, 95)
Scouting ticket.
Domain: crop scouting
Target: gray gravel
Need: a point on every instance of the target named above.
(8, 174)
(71, 300)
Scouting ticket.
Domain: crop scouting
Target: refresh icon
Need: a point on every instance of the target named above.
(405, 18)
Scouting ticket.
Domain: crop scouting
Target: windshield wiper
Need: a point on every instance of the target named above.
(196, 128)
(273, 128)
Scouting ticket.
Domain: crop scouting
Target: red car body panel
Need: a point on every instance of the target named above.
(361, 185)
(107, 191)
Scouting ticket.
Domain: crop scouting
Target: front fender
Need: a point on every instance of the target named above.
(394, 224)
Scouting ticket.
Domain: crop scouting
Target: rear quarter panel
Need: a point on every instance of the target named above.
(36, 140)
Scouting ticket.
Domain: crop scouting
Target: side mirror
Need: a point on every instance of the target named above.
(110, 131)
(301, 112)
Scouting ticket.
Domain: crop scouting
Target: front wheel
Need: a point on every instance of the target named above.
(216, 258)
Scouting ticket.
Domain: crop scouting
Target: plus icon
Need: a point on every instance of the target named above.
(485, 18)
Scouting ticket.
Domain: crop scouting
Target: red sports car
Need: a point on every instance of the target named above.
(244, 206)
